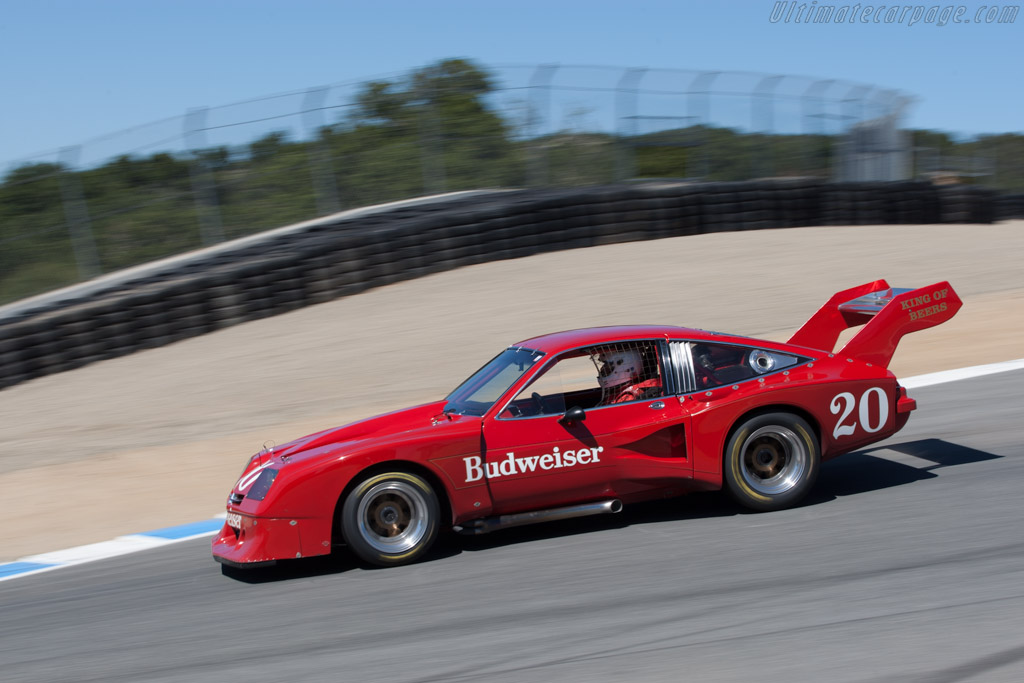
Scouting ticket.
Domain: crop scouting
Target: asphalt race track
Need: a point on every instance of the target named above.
(907, 564)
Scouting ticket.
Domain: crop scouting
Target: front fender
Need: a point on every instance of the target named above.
(312, 488)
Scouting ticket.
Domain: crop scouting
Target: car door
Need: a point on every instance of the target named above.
(569, 437)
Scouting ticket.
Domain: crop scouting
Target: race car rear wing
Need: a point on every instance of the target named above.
(887, 314)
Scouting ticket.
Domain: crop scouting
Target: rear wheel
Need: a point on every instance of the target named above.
(391, 518)
(771, 461)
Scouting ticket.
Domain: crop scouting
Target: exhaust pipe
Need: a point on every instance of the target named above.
(488, 524)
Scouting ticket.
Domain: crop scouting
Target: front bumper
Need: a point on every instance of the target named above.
(261, 540)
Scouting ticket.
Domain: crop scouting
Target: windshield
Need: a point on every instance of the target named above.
(489, 383)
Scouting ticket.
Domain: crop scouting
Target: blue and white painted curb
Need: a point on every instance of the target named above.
(123, 545)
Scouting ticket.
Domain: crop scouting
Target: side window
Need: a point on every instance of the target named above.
(718, 364)
(592, 377)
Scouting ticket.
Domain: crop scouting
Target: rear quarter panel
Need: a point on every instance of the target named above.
(849, 403)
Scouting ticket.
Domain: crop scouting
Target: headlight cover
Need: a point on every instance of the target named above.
(261, 486)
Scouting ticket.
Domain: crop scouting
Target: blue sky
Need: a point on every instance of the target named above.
(74, 70)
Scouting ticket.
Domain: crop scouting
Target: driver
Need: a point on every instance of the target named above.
(622, 377)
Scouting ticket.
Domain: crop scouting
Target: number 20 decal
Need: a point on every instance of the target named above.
(845, 402)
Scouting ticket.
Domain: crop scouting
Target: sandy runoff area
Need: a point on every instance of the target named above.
(157, 438)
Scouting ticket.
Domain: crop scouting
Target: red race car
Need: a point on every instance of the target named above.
(581, 422)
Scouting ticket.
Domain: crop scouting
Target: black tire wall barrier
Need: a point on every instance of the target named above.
(1009, 206)
(341, 256)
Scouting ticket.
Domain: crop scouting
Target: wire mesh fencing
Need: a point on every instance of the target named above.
(217, 173)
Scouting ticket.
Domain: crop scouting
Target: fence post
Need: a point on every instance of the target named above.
(901, 139)
(431, 142)
(883, 138)
(76, 213)
(701, 86)
(210, 229)
(814, 94)
(852, 105)
(324, 186)
(764, 93)
(626, 96)
(540, 92)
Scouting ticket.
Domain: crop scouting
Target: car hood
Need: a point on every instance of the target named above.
(381, 431)
(428, 416)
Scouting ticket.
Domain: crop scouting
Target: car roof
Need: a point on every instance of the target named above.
(557, 342)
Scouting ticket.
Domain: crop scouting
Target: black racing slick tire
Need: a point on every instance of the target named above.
(771, 461)
(391, 518)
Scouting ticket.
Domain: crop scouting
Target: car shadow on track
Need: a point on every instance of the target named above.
(879, 467)
(286, 570)
(690, 507)
(850, 474)
(855, 473)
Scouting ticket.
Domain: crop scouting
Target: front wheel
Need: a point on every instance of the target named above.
(390, 519)
(771, 461)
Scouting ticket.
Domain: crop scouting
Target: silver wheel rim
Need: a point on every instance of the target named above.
(392, 517)
(773, 460)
